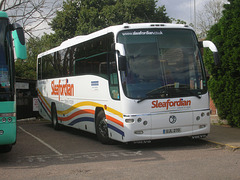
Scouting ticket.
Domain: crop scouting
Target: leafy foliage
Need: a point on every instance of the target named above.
(224, 83)
(65, 22)
(81, 17)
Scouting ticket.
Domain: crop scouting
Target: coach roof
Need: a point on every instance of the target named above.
(79, 39)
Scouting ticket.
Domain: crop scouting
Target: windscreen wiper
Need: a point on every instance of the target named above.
(195, 94)
(142, 99)
(153, 95)
(186, 91)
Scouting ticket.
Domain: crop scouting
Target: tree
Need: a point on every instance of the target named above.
(210, 15)
(224, 83)
(96, 16)
(82, 17)
(140, 11)
(33, 15)
(65, 23)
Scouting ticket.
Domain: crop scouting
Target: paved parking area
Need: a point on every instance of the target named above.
(43, 153)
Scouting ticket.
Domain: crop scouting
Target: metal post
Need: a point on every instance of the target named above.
(195, 16)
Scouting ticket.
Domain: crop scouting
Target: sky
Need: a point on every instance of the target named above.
(182, 9)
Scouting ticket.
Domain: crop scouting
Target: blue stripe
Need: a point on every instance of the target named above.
(44, 109)
(81, 120)
(116, 129)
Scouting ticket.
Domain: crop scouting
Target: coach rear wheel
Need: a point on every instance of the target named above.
(55, 123)
(102, 128)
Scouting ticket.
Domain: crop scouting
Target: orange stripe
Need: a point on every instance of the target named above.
(90, 112)
(43, 98)
(114, 120)
(76, 114)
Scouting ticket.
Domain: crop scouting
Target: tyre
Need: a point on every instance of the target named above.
(102, 128)
(5, 148)
(54, 117)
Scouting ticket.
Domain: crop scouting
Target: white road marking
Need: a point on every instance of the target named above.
(89, 156)
(41, 141)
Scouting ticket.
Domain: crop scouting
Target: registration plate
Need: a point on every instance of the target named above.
(169, 131)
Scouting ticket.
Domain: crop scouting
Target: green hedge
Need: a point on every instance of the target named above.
(224, 82)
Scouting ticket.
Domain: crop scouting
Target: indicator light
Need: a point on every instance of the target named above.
(129, 120)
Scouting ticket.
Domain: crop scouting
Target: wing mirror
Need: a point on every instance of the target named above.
(122, 60)
(213, 48)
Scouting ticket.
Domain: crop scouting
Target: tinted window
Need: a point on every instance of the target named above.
(6, 62)
(91, 57)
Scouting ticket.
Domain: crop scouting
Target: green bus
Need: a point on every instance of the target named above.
(9, 33)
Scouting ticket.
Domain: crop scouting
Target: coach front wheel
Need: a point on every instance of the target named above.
(102, 128)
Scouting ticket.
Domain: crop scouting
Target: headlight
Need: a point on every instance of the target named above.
(9, 119)
(4, 119)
